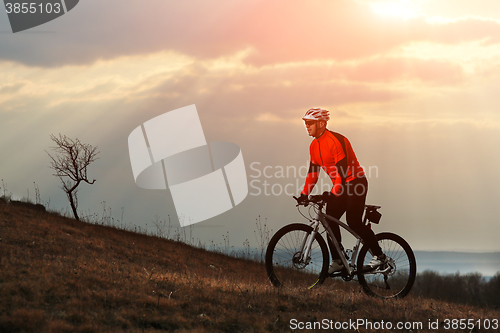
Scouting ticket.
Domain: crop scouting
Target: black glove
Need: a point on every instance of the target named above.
(303, 200)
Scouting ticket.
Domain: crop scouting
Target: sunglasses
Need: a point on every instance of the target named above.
(310, 122)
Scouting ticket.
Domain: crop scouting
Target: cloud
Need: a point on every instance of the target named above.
(233, 90)
(7, 89)
(281, 31)
(393, 69)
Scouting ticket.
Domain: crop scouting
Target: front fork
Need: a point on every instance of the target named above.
(305, 248)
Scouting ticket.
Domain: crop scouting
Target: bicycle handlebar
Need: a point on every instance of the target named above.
(317, 199)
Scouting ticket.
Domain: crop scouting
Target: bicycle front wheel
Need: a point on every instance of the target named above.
(285, 263)
(396, 278)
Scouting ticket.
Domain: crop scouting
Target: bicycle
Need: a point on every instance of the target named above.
(298, 256)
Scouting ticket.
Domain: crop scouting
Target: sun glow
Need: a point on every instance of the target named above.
(400, 8)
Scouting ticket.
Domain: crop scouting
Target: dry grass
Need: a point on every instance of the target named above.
(60, 275)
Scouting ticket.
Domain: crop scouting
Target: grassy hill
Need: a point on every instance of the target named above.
(60, 275)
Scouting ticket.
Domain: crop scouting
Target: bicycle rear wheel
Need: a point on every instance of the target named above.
(284, 263)
(396, 278)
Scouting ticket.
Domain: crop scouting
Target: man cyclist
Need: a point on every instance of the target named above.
(333, 153)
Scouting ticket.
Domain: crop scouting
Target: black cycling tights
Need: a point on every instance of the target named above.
(352, 202)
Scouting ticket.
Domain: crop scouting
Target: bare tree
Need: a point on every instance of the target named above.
(70, 164)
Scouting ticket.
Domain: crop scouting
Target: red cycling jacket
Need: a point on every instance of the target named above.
(328, 152)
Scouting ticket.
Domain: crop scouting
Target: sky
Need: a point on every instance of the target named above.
(412, 84)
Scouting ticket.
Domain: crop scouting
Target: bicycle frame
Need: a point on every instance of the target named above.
(321, 218)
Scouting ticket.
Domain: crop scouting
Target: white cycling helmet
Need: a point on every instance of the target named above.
(317, 114)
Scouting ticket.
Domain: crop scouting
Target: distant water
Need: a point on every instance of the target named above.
(488, 264)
